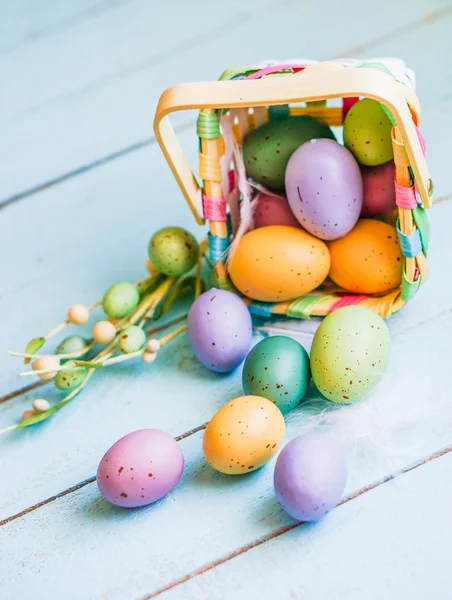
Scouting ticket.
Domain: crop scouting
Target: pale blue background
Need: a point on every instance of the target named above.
(82, 187)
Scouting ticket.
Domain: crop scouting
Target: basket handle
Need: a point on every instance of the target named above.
(318, 82)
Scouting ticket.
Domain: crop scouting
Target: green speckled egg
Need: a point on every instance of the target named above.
(267, 149)
(367, 133)
(131, 339)
(173, 250)
(71, 344)
(350, 353)
(120, 300)
(277, 368)
(68, 380)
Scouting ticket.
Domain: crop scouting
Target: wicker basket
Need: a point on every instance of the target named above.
(245, 98)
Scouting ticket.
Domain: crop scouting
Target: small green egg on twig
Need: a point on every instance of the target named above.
(120, 300)
(131, 339)
(70, 379)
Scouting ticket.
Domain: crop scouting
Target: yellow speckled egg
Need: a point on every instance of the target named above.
(243, 435)
(279, 263)
(368, 260)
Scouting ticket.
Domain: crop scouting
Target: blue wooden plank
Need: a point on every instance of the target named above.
(79, 527)
(71, 270)
(209, 515)
(390, 543)
(24, 21)
(40, 272)
(114, 108)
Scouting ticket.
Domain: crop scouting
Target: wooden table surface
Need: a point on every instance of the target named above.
(83, 185)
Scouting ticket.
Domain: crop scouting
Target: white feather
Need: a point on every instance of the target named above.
(246, 191)
(380, 427)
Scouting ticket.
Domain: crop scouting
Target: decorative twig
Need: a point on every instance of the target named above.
(128, 307)
(10, 428)
(78, 354)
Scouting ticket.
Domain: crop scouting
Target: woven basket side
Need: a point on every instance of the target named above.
(318, 303)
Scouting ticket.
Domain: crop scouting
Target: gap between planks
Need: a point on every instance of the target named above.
(46, 31)
(251, 545)
(83, 484)
(257, 542)
(427, 19)
(286, 528)
(189, 433)
(99, 162)
(38, 384)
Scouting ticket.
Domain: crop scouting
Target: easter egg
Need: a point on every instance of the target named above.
(368, 260)
(173, 251)
(277, 368)
(131, 339)
(273, 210)
(324, 188)
(69, 379)
(140, 468)
(219, 330)
(267, 149)
(278, 263)
(350, 353)
(120, 299)
(70, 345)
(310, 476)
(368, 133)
(378, 190)
(243, 435)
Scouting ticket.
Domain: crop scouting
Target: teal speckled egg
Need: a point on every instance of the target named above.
(367, 133)
(277, 368)
(267, 149)
(350, 353)
(173, 251)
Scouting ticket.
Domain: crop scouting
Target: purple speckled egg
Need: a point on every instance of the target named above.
(310, 476)
(324, 188)
(140, 468)
(220, 330)
(273, 210)
(379, 190)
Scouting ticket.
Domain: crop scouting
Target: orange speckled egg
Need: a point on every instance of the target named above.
(368, 260)
(243, 435)
(279, 263)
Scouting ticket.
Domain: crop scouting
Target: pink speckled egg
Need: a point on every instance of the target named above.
(378, 190)
(140, 468)
(273, 210)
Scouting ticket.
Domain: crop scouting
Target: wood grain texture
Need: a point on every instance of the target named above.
(210, 515)
(25, 22)
(72, 117)
(67, 275)
(71, 241)
(384, 544)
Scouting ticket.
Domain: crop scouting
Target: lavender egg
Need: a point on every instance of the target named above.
(310, 476)
(220, 330)
(324, 188)
(140, 468)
